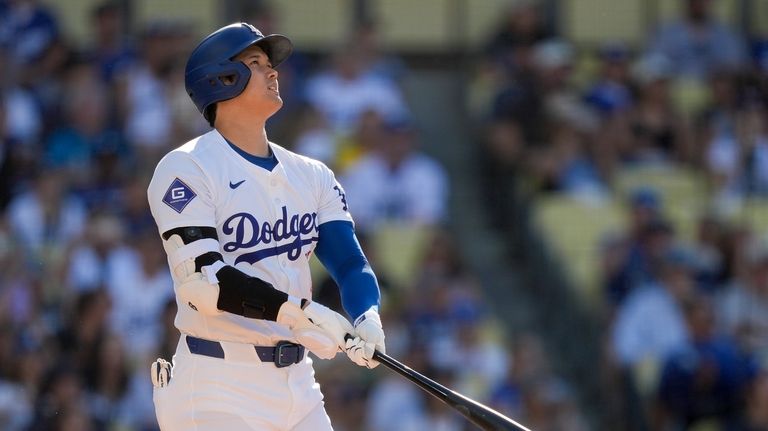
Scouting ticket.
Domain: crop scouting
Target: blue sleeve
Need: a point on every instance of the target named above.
(339, 251)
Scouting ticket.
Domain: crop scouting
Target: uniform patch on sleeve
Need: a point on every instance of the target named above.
(178, 195)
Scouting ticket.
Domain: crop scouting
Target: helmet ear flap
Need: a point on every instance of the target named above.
(217, 83)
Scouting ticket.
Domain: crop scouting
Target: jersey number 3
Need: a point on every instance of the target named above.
(342, 195)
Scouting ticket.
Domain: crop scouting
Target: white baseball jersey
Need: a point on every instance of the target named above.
(267, 222)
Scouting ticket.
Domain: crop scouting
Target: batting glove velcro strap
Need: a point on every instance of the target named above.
(160, 373)
(369, 337)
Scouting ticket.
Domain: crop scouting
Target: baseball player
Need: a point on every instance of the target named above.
(239, 218)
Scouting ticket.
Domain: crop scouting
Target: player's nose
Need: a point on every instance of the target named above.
(272, 74)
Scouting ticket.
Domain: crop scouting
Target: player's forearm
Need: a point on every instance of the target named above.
(359, 291)
(339, 251)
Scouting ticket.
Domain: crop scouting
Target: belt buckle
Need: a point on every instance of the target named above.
(279, 354)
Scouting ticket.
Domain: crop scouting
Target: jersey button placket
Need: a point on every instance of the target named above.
(273, 182)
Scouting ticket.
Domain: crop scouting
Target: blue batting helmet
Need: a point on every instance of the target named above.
(212, 60)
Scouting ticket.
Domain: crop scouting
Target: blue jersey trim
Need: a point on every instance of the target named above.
(339, 251)
(267, 163)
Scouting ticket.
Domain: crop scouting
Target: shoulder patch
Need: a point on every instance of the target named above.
(178, 195)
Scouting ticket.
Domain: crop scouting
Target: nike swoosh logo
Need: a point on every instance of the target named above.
(235, 185)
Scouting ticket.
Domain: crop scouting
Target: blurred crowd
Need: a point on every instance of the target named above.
(684, 318)
(86, 298)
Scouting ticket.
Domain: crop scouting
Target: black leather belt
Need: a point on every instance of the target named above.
(283, 354)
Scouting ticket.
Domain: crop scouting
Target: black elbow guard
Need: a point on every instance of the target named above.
(248, 296)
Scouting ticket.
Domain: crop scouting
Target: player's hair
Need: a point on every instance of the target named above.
(210, 114)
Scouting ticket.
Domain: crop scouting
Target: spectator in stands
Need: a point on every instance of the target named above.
(105, 380)
(143, 94)
(28, 28)
(503, 156)
(85, 133)
(396, 183)
(698, 44)
(368, 133)
(544, 94)
(566, 164)
(20, 293)
(650, 323)
(477, 360)
(46, 214)
(755, 143)
(553, 60)
(532, 393)
(60, 405)
(705, 380)
(709, 252)
(318, 140)
(628, 261)
(743, 306)
(84, 329)
(133, 209)
(720, 135)
(521, 27)
(346, 90)
(47, 79)
(549, 406)
(142, 289)
(611, 91)
(315, 137)
(23, 122)
(375, 61)
(112, 50)
(20, 385)
(101, 257)
(659, 132)
(393, 403)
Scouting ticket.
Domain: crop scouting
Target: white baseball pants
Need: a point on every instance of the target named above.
(239, 393)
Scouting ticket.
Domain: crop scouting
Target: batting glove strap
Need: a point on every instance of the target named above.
(369, 337)
(368, 328)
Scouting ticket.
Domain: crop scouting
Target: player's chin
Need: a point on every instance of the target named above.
(275, 98)
(275, 103)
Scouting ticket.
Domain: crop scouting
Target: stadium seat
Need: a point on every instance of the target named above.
(398, 250)
(573, 229)
(754, 213)
(683, 192)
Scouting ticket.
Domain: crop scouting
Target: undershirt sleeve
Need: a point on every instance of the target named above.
(339, 251)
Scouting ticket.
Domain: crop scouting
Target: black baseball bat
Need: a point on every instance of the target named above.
(481, 415)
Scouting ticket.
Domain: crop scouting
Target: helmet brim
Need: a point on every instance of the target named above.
(276, 46)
